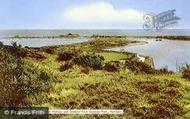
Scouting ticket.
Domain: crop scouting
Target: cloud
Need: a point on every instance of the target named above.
(102, 13)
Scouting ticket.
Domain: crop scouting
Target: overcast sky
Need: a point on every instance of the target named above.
(86, 14)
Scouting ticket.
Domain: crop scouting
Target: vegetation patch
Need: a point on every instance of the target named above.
(149, 86)
(143, 68)
(66, 56)
(66, 66)
(186, 71)
(107, 97)
(90, 60)
(139, 67)
(164, 110)
(49, 51)
(113, 66)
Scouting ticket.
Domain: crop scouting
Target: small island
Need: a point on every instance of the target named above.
(69, 35)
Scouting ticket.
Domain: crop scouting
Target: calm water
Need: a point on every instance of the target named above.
(11, 33)
(166, 53)
(40, 42)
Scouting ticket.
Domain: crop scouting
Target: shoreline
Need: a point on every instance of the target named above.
(168, 37)
(72, 35)
(143, 57)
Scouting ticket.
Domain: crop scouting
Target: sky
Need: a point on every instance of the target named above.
(87, 14)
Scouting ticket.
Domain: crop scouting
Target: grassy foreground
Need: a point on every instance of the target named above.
(61, 78)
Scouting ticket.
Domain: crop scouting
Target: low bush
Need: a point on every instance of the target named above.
(112, 66)
(90, 60)
(66, 56)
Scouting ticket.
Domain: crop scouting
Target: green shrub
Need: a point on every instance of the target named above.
(91, 60)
